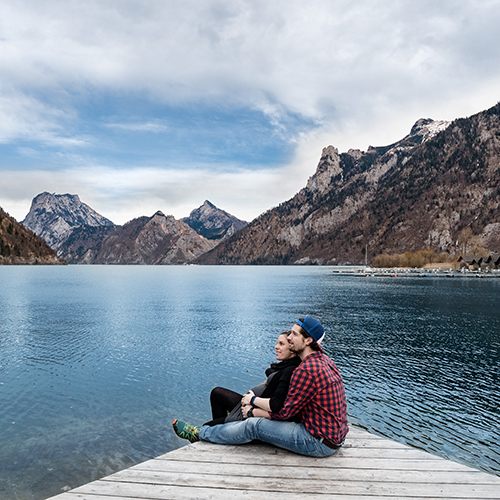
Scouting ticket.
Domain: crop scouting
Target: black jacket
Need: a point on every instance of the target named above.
(278, 380)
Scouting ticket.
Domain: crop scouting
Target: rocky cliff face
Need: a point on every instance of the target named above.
(19, 245)
(158, 239)
(83, 243)
(213, 223)
(425, 191)
(55, 216)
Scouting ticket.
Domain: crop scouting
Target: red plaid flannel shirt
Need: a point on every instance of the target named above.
(317, 395)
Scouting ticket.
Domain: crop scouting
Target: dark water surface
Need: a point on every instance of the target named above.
(96, 361)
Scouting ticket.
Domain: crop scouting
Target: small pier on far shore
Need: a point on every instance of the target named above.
(367, 467)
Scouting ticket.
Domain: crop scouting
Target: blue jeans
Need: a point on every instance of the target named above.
(288, 435)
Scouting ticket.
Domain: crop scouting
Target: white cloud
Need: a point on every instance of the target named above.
(362, 72)
(304, 56)
(156, 126)
(24, 117)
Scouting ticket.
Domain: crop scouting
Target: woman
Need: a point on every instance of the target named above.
(228, 406)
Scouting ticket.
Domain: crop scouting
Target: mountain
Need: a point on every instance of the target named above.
(436, 187)
(159, 239)
(19, 245)
(213, 223)
(81, 235)
(55, 216)
(83, 243)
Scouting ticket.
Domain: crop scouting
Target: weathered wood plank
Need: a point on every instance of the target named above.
(306, 487)
(334, 473)
(399, 452)
(359, 442)
(181, 493)
(349, 462)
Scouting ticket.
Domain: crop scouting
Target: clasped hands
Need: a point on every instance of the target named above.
(245, 403)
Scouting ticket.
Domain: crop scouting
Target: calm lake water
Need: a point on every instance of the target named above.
(96, 361)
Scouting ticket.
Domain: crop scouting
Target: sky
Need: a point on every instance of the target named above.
(146, 105)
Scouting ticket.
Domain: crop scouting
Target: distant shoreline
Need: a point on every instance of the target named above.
(401, 272)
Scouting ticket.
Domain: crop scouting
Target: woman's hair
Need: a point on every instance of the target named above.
(313, 345)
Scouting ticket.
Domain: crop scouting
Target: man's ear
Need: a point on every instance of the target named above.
(309, 340)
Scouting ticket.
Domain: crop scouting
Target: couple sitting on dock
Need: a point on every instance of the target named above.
(311, 420)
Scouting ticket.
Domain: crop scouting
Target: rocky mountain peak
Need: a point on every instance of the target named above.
(212, 222)
(328, 171)
(427, 128)
(355, 153)
(207, 205)
(50, 200)
(54, 216)
(419, 125)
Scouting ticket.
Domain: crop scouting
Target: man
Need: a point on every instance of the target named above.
(316, 395)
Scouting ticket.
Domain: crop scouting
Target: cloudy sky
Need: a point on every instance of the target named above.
(146, 105)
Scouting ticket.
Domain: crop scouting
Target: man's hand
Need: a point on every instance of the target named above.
(245, 400)
(244, 410)
(256, 412)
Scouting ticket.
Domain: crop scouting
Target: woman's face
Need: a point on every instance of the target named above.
(282, 349)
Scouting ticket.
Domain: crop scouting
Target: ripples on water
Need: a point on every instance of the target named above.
(421, 362)
(95, 362)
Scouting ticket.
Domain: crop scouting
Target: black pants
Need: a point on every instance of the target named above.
(222, 402)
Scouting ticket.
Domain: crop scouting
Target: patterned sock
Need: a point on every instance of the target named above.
(186, 431)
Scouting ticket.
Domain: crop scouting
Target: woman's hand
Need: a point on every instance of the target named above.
(245, 400)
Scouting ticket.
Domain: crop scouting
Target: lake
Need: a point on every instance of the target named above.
(96, 361)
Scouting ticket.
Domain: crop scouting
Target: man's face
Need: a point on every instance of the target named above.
(296, 340)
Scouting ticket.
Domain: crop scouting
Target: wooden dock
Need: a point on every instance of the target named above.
(367, 467)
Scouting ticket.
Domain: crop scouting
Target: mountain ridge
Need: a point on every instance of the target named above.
(379, 199)
(19, 245)
(81, 235)
(436, 188)
(155, 240)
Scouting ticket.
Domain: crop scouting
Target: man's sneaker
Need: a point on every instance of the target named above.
(186, 431)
